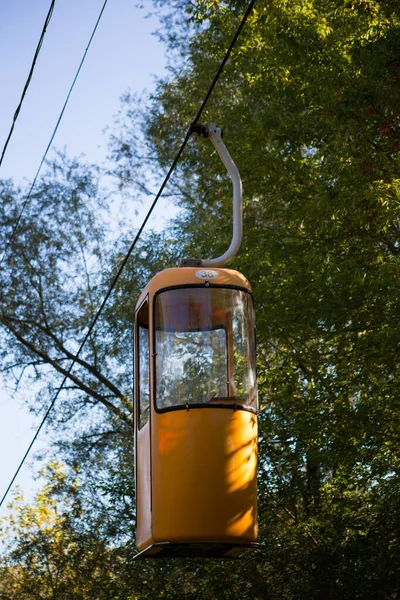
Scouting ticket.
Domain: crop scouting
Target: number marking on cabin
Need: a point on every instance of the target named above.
(207, 274)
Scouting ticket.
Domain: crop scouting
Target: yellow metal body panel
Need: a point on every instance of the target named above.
(143, 487)
(196, 468)
(187, 276)
(204, 486)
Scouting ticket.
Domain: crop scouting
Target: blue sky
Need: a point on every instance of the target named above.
(124, 55)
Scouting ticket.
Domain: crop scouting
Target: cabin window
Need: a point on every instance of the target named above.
(143, 365)
(204, 339)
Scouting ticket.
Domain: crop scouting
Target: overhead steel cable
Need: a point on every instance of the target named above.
(28, 197)
(137, 236)
(35, 57)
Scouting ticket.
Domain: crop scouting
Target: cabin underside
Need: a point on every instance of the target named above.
(200, 550)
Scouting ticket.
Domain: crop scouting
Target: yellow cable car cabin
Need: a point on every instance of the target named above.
(195, 414)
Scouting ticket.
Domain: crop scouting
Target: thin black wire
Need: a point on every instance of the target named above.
(133, 244)
(15, 228)
(35, 57)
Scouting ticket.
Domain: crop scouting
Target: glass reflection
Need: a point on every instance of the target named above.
(143, 343)
(204, 340)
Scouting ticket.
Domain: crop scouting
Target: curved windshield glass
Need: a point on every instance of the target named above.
(204, 340)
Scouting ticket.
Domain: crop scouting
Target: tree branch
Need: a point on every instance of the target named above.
(56, 365)
(68, 354)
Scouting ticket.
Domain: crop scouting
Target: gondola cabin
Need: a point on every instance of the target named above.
(195, 414)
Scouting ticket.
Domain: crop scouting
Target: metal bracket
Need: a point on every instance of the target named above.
(215, 134)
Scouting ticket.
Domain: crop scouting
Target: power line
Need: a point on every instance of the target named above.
(15, 228)
(35, 57)
(138, 234)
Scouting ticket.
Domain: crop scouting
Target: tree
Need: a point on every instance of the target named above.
(51, 552)
(309, 103)
(57, 260)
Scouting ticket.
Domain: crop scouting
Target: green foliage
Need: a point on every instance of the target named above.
(51, 283)
(310, 104)
(51, 552)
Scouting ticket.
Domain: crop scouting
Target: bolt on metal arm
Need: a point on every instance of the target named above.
(215, 134)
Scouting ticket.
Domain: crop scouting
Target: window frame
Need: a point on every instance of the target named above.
(223, 404)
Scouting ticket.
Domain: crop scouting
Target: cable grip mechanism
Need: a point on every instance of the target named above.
(204, 130)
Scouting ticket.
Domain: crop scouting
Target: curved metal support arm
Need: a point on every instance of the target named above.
(215, 135)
